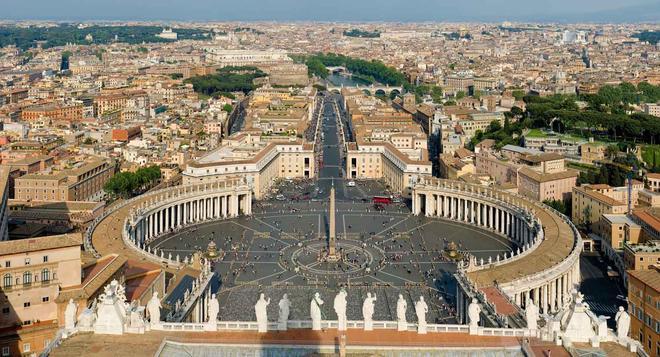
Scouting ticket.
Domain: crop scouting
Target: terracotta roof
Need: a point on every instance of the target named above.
(650, 216)
(543, 157)
(589, 191)
(545, 177)
(97, 277)
(462, 153)
(43, 243)
(486, 143)
(136, 287)
(650, 277)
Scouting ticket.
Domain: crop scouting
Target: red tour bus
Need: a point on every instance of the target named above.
(382, 200)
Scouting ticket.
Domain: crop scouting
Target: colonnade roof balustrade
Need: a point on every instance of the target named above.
(561, 240)
(105, 235)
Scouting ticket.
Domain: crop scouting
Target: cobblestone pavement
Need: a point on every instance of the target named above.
(405, 257)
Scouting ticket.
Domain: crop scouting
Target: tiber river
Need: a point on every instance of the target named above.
(347, 81)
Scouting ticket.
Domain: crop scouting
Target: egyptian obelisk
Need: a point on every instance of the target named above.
(332, 249)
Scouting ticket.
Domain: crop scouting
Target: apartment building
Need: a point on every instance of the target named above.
(653, 181)
(53, 111)
(644, 308)
(641, 256)
(542, 186)
(33, 272)
(592, 151)
(652, 109)
(478, 122)
(590, 202)
(258, 162)
(83, 182)
(456, 165)
(389, 144)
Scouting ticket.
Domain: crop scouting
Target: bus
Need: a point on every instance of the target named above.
(382, 200)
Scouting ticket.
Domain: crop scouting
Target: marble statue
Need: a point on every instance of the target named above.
(153, 307)
(262, 313)
(111, 311)
(87, 318)
(340, 309)
(70, 315)
(622, 323)
(136, 322)
(474, 310)
(531, 315)
(401, 307)
(285, 306)
(421, 309)
(213, 309)
(368, 311)
(315, 311)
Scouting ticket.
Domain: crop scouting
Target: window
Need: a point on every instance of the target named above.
(45, 299)
(6, 280)
(5, 351)
(27, 278)
(27, 261)
(5, 310)
(7, 264)
(45, 259)
(26, 304)
(26, 347)
(45, 275)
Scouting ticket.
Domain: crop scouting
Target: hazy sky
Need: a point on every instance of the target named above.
(336, 10)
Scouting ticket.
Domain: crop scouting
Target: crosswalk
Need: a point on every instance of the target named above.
(602, 308)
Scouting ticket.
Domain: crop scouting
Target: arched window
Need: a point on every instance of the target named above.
(27, 278)
(6, 280)
(45, 275)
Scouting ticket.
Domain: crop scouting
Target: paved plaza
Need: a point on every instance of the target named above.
(387, 252)
(385, 249)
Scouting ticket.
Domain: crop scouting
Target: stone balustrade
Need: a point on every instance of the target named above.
(351, 324)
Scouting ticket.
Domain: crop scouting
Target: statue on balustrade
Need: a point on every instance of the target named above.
(368, 311)
(622, 323)
(340, 309)
(401, 307)
(213, 309)
(285, 306)
(262, 313)
(421, 309)
(315, 311)
(474, 312)
(153, 307)
(531, 315)
(70, 315)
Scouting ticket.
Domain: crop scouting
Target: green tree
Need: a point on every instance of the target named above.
(518, 94)
(611, 151)
(558, 205)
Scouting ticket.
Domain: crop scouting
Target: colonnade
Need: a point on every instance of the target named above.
(551, 295)
(480, 212)
(199, 206)
(512, 216)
